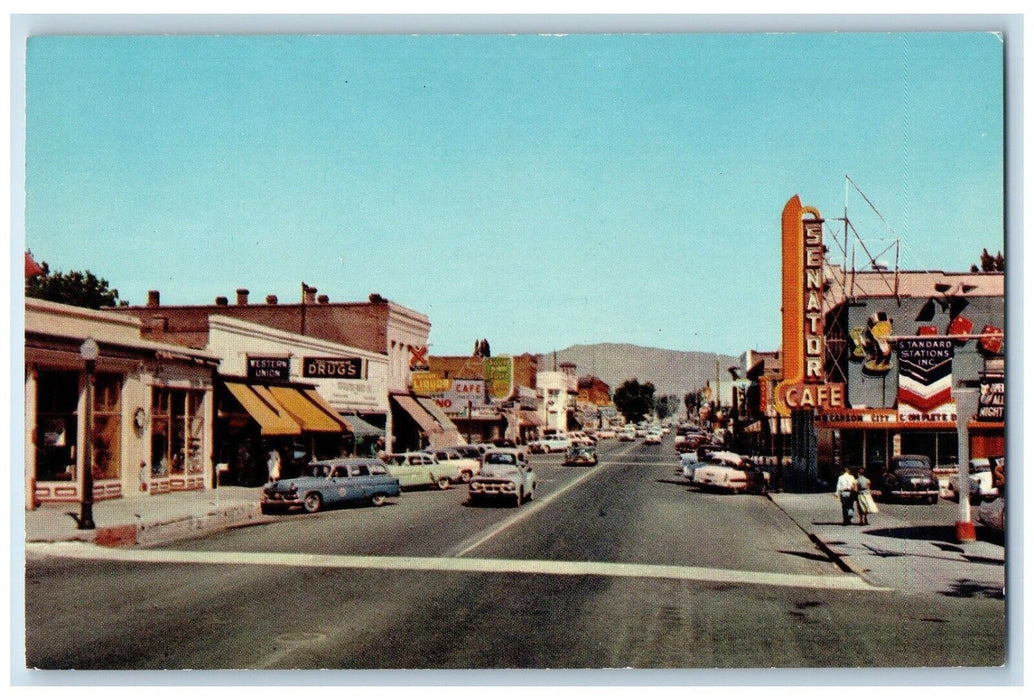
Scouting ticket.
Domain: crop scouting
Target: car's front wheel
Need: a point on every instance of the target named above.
(465, 477)
(443, 482)
(378, 499)
(313, 502)
(520, 497)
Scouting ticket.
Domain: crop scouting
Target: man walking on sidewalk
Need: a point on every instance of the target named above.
(847, 491)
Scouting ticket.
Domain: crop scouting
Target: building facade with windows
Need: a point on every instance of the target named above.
(152, 410)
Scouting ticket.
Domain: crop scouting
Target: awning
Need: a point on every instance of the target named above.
(267, 412)
(530, 419)
(361, 428)
(424, 419)
(306, 411)
(437, 413)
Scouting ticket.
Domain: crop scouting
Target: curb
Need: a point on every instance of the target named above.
(843, 561)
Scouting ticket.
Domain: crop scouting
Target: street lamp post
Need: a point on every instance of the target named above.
(88, 351)
(965, 408)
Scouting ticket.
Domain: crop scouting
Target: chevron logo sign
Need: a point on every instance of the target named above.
(924, 374)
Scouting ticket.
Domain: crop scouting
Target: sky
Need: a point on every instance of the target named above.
(539, 191)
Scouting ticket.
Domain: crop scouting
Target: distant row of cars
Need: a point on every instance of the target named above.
(497, 473)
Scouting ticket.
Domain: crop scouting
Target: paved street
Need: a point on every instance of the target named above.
(616, 566)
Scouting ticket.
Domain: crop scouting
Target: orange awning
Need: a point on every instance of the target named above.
(311, 416)
(424, 419)
(267, 412)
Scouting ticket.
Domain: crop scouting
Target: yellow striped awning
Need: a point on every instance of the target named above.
(266, 411)
(311, 416)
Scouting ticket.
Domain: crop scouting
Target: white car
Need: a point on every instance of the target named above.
(455, 465)
(653, 437)
(503, 476)
(605, 434)
(728, 471)
(981, 477)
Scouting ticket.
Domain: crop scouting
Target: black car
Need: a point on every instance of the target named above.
(908, 477)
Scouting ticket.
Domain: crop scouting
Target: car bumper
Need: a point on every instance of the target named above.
(915, 493)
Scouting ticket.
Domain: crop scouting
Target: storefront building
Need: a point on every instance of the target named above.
(872, 363)
(378, 326)
(150, 427)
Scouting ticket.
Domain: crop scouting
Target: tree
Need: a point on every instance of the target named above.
(990, 263)
(74, 288)
(634, 400)
(666, 405)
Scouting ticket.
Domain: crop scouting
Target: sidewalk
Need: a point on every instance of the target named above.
(148, 520)
(915, 556)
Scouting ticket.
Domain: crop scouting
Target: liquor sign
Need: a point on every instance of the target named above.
(498, 376)
(804, 347)
(266, 368)
(333, 367)
(428, 383)
(924, 376)
(991, 405)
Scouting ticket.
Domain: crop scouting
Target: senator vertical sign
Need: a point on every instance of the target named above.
(804, 348)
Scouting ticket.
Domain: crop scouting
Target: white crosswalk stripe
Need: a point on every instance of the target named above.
(81, 550)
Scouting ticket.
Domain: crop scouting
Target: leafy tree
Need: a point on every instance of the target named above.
(634, 400)
(990, 263)
(666, 405)
(74, 288)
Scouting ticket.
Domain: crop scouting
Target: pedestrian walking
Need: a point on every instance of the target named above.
(273, 464)
(866, 503)
(847, 491)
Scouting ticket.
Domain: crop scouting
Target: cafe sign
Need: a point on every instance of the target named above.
(804, 348)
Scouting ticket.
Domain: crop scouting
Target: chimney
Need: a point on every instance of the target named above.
(221, 301)
(323, 299)
(153, 298)
(376, 298)
(310, 295)
(242, 297)
(271, 299)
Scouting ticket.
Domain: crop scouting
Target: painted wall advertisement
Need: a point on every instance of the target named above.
(924, 379)
(498, 377)
(991, 404)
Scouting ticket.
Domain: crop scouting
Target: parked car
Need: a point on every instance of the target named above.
(907, 477)
(503, 475)
(992, 514)
(470, 451)
(605, 434)
(627, 434)
(579, 437)
(581, 454)
(689, 441)
(728, 471)
(418, 469)
(551, 443)
(687, 464)
(653, 437)
(338, 481)
(981, 482)
(454, 465)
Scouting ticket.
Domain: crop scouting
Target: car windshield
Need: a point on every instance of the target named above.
(911, 464)
(500, 459)
(499, 470)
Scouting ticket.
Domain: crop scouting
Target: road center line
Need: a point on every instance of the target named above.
(84, 550)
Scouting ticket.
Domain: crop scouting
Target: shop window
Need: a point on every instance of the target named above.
(107, 426)
(177, 429)
(57, 398)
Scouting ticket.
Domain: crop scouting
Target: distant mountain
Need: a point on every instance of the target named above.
(671, 371)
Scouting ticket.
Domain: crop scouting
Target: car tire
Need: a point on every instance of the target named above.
(933, 499)
(378, 499)
(312, 503)
(270, 509)
(465, 477)
(442, 483)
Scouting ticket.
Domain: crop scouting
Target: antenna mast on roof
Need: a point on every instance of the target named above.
(873, 262)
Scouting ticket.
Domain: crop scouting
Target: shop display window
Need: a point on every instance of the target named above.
(107, 426)
(177, 430)
(56, 434)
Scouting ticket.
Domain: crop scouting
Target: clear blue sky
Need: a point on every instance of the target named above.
(538, 191)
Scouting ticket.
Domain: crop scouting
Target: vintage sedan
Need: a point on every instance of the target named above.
(337, 481)
(581, 454)
(981, 482)
(504, 475)
(455, 465)
(908, 477)
(728, 471)
(418, 469)
(653, 437)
